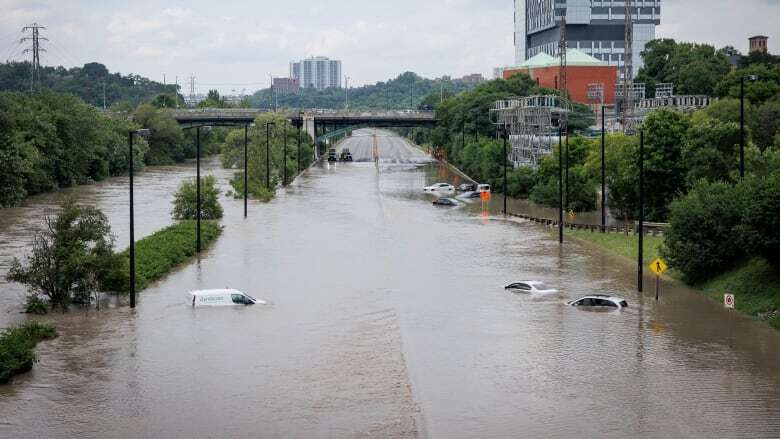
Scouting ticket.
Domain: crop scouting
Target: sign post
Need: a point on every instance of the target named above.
(658, 267)
(729, 303)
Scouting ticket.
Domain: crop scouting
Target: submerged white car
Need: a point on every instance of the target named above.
(530, 286)
(439, 188)
(600, 301)
(223, 297)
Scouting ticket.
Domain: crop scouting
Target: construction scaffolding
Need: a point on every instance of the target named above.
(532, 124)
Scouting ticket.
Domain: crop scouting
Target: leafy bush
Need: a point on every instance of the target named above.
(761, 218)
(158, 254)
(70, 257)
(705, 230)
(36, 305)
(16, 347)
(185, 202)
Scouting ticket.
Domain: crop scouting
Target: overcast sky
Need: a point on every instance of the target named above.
(236, 44)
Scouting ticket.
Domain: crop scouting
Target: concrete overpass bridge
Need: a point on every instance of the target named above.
(315, 121)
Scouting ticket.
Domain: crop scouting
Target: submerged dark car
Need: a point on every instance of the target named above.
(444, 202)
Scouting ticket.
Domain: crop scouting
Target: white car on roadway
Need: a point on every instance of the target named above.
(530, 286)
(222, 297)
(440, 188)
(600, 301)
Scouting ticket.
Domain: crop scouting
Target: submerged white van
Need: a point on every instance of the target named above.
(224, 297)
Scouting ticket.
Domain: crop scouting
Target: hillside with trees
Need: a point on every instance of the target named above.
(408, 90)
(87, 82)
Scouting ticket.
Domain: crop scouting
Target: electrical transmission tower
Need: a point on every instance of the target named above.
(628, 119)
(35, 38)
(562, 73)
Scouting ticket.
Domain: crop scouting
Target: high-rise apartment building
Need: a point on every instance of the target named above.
(596, 27)
(317, 72)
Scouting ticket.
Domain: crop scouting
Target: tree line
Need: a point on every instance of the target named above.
(122, 92)
(407, 90)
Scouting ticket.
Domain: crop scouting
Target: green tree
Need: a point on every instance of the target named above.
(704, 229)
(167, 138)
(766, 87)
(710, 151)
(185, 201)
(70, 257)
(233, 155)
(765, 123)
(693, 68)
(665, 172)
(761, 217)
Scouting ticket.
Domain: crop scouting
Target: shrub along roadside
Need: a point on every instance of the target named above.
(16, 347)
(158, 254)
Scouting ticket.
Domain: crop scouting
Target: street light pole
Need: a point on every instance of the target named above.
(560, 184)
(603, 174)
(742, 127)
(641, 228)
(268, 155)
(300, 134)
(567, 203)
(506, 189)
(284, 183)
(197, 148)
(132, 228)
(143, 133)
(246, 167)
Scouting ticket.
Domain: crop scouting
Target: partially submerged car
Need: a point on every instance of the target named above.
(440, 187)
(530, 286)
(448, 202)
(467, 187)
(332, 157)
(221, 297)
(602, 301)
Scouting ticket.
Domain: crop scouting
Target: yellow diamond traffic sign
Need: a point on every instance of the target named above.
(658, 266)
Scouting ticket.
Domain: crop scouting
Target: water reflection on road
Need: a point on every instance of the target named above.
(389, 318)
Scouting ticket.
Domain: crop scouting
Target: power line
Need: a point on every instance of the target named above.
(36, 49)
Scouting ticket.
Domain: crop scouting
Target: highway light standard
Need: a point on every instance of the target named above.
(198, 208)
(504, 134)
(641, 228)
(246, 166)
(268, 154)
(742, 122)
(284, 181)
(144, 133)
(560, 183)
(300, 113)
(603, 173)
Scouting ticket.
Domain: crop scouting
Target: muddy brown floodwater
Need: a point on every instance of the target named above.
(388, 318)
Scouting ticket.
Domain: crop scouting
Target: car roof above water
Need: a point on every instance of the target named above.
(215, 292)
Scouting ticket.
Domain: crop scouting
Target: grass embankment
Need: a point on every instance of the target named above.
(158, 254)
(16, 347)
(755, 283)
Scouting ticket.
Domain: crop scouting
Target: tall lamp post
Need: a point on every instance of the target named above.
(268, 155)
(299, 141)
(506, 189)
(284, 181)
(145, 133)
(199, 212)
(246, 167)
(641, 228)
(560, 184)
(603, 174)
(742, 122)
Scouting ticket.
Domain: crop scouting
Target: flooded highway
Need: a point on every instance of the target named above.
(387, 318)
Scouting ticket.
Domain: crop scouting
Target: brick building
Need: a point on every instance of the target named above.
(588, 80)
